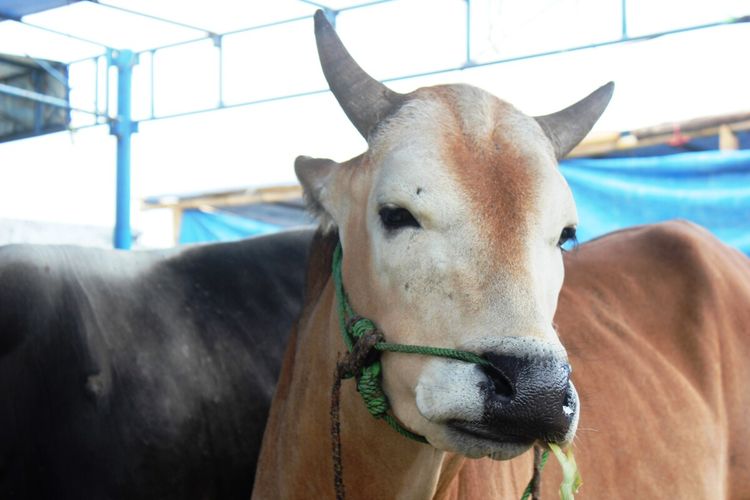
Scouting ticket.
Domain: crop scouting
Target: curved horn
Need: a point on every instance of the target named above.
(566, 128)
(365, 100)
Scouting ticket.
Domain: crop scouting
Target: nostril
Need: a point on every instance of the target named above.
(542, 382)
(569, 404)
(500, 383)
(507, 373)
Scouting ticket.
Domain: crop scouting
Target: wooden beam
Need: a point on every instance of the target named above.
(692, 125)
(601, 144)
(177, 213)
(727, 139)
(261, 195)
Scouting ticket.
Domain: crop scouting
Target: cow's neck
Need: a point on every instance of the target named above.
(296, 457)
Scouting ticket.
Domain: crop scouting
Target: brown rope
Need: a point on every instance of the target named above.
(350, 364)
(536, 478)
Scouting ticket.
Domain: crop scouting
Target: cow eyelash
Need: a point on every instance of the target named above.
(394, 217)
(567, 237)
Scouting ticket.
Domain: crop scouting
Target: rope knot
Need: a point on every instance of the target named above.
(363, 353)
(359, 327)
(369, 386)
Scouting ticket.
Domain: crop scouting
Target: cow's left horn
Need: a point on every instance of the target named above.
(568, 127)
(365, 100)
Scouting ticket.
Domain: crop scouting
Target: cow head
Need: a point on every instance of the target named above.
(451, 225)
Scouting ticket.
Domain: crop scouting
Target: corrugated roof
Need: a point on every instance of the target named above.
(16, 9)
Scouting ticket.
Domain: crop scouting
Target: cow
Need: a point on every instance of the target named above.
(142, 374)
(446, 234)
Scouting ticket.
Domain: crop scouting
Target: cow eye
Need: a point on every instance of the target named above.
(394, 218)
(567, 238)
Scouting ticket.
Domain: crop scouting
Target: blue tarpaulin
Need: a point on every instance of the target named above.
(216, 225)
(711, 188)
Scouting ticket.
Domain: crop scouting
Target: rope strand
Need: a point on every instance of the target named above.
(532, 489)
(338, 467)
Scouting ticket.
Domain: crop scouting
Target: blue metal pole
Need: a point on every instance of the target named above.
(123, 127)
(468, 61)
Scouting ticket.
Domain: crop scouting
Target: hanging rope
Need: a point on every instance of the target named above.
(532, 489)
(364, 344)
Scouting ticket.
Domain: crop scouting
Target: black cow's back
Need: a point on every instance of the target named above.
(141, 375)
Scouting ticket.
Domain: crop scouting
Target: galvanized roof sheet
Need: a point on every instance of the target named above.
(16, 9)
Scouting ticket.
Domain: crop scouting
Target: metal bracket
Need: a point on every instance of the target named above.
(117, 127)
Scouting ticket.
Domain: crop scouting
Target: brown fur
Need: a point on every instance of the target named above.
(656, 322)
(497, 171)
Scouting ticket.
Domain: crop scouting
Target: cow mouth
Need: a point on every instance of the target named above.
(494, 443)
(484, 432)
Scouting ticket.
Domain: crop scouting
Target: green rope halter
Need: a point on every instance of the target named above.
(369, 380)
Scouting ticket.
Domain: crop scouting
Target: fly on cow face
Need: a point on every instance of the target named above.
(451, 225)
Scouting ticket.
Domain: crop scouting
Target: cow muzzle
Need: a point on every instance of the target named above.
(526, 399)
(524, 396)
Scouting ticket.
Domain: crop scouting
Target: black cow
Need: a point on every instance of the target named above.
(141, 374)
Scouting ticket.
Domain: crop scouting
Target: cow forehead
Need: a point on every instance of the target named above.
(498, 159)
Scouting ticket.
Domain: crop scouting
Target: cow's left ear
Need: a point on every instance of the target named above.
(317, 176)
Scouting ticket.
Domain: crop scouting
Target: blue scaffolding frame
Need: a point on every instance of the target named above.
(122, 125)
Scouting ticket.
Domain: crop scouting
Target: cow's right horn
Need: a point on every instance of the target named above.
(365, 100)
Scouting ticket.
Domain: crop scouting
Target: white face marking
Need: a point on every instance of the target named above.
(471, 276)
(447, 272)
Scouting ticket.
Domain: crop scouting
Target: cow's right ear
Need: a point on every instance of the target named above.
(317, 176)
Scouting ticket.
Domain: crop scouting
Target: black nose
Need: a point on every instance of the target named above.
(528, 397)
